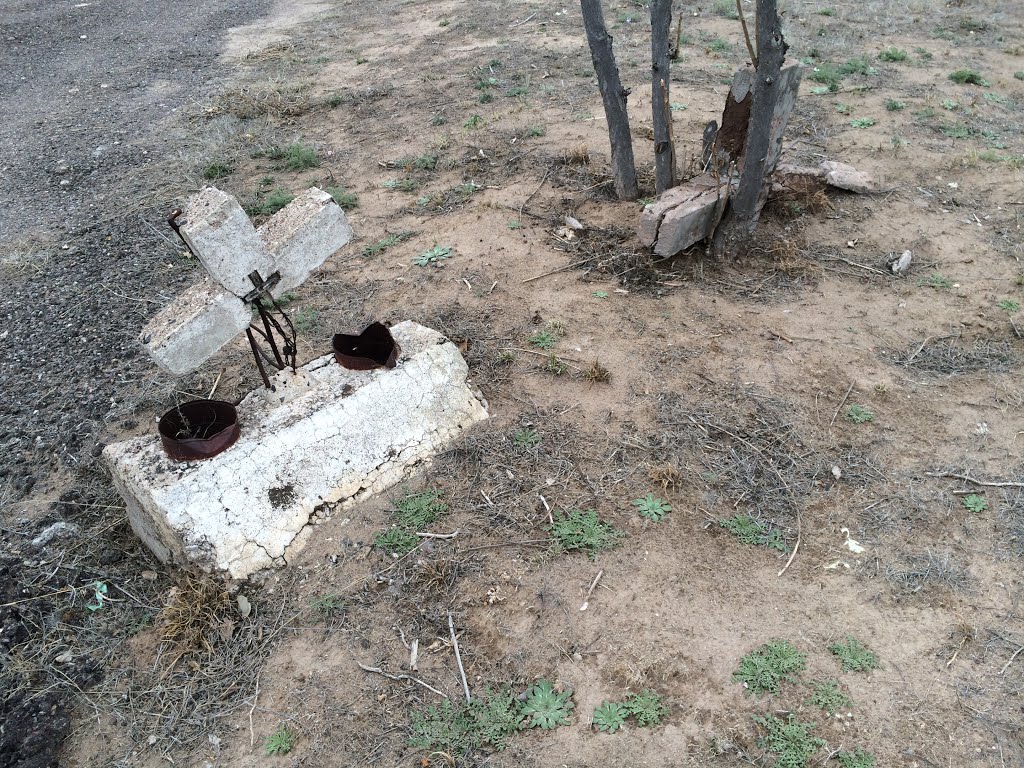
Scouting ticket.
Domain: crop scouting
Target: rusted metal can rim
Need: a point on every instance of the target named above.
(198, 429)
(375, 347)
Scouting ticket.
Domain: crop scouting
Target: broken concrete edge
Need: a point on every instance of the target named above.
(351, 435)
(194, 327)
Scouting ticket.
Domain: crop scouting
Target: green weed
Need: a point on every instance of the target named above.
(893, 54)
(854, 656)
(271, 204)
(546, 708)
(858, 414)
(575, 530)
(347, 200)
(651, 507)
(328, 606)
(968, 77)
(750, 531)
(280, 742)
(305, 320)
(434, 255)
(403, 185)
(646, 707)
(609, 717)
(526, 438)
(396, 541)
(764, 669)
(474, 121)
(827, 695)
(384, 243)
(460, 727)
(935, 280)
(416, 511)
(1009, 305)
(894, 105)
(535, 131)
(294, 157)
(863, 122)
(974, 503)
(217, 170)
(859, 758)
(542, 340)
(790, 741)
(555, 366)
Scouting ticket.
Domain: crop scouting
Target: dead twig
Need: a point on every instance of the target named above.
(451, 535)
(560, 269)
(255, 698)
(458, 656)
(1007, 664)
(969, 479)
(593, 586)
(379, 671)
(841, 404)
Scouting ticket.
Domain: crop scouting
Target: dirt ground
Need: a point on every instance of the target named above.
(802, 386)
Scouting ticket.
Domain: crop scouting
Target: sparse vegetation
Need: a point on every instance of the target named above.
(294, 157)
(859, 758)
(542, 340)
(974, 503)
(828, 696)
(433, 256)
(750, 531)
(526, 438)
(652, 507)
(893, 54)
(270, 204)
(609, 717)
(377, 248)
(575, 530)
(790, 740)
(894, 105)
(968, 77)
(764, 669)
(217, 170)
(546, 708)
(858, 414)
(280, 742)
(347, 200)
(854, 656)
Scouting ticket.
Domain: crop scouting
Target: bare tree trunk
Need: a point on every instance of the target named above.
(614, 97)
(746, 204)
(664, 145)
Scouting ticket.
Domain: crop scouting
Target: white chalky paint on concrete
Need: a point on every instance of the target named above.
(351, 435)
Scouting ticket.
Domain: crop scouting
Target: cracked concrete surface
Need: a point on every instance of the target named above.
(346, 436)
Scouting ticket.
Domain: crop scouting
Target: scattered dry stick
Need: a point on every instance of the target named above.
(841, 404)
(451, 535)
(593, 586)
(969, 479)
(458, 656)
(255, 698)
(379, 671)
(1007, 664)
(560, 269)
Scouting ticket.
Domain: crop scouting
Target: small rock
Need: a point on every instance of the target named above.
(843, 176)
(57, 530)
(901, 265)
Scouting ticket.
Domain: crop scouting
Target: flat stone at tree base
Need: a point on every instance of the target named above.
(349, 435)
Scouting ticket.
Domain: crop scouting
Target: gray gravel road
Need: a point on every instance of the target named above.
(89, 92)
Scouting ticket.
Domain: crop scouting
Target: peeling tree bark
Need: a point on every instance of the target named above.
(745, 208)
(664, 145)
(614, 97)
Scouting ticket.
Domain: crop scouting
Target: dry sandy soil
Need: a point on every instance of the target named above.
(802, 387)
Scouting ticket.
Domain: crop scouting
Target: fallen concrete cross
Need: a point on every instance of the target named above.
(294, 242)
(325, 438)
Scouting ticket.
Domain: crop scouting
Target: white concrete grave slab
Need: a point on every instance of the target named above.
(292, 243)
(305, 451)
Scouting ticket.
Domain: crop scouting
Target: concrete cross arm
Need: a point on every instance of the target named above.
(293, 243)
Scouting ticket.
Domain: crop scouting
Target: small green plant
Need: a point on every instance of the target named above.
(347, 200)
(753, 532)
(535, 131)
(600, 294)
(956, 131)
(844, 109)
(677, 106)
(526, 438)
(894, 105)
(271, 204)
(474, 121)
(545, 708)
(893, 54)
(1018, 75)
(305, 319)
(764, 669)
(828, 76)
(280, 742)
(968, 77)
(402, 185)
(295, 157)
(863, 122)
(435, 255)
(457, 728)
(438, 119)
(858, 414)
(555, 366)
(827, 12)
(828, 696)
(514, 224)
(718, 45)
(384, 243)
(1009, 305)
(396, 541)
(574, 530)
(974, 503)
(859, 66)
(651, 507)
(859, 758)
(854, 656)
(949, 104)
(935, 280)
(542, 340)
(726, 8)
(790, 741)
(415, 511)
(646, 707)
(328, 606)
(609, 717)
(217, 170)
(334, 101)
